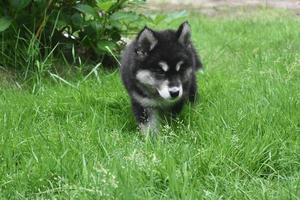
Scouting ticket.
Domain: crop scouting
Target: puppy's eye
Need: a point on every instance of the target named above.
(141, 52)
(159, 71)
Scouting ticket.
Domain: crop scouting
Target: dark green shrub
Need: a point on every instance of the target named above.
(34, 32)
(92, 28)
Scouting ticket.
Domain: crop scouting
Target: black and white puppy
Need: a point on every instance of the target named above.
(158, 70)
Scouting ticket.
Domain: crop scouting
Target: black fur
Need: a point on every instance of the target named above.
(145, 52)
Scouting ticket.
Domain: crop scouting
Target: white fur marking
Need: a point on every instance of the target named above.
(164, 66)
(179, 65)
(174, 89)
(145, 77)
(163, 90)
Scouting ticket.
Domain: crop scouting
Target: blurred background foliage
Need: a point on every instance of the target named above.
(35, 33)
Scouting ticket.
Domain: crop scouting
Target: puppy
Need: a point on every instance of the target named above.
(158, 71)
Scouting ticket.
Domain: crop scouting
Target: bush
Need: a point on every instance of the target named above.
(31, 29)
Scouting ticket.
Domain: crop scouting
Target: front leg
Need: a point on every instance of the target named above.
(146, 118)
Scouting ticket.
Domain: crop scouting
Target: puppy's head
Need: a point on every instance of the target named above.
(165, 60)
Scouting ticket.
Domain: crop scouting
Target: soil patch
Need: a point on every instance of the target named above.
(215, 7)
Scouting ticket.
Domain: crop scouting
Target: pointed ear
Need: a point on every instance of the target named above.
(184, 33)
(146, 39)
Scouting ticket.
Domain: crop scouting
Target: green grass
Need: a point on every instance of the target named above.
(241, 141)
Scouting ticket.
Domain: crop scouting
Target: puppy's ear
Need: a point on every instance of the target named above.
(146, 39)
(184, 33)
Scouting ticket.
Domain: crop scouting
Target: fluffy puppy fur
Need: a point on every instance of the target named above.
(158, 71)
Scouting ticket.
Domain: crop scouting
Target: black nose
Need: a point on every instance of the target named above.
(174, 94)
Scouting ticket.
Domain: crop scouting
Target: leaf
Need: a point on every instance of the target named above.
(95, 25)
(77, 19)
(102, 46)
(106, 5)
(86, 9)
(19, 4)
(125, 16)
(4, 23)
(115, 34)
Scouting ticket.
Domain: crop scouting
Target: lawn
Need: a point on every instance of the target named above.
(240, 141)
